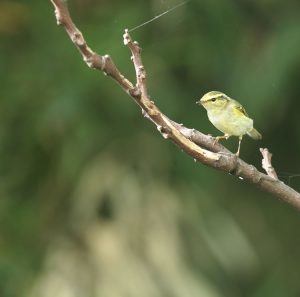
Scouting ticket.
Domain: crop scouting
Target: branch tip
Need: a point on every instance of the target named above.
(267, 163)
(126, 37)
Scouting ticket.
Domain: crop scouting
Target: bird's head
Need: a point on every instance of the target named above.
(213, 100)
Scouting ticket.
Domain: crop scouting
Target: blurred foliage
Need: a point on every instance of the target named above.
(94, 202)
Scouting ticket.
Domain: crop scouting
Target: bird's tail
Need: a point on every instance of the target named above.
(254, 134)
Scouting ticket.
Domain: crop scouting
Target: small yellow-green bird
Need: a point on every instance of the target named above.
(228, 116)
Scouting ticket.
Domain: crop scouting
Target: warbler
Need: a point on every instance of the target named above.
(228, 116)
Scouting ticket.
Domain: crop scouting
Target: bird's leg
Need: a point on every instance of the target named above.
(240, 140)
(226, 136)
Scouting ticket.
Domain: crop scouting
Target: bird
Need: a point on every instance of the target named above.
(228, 116)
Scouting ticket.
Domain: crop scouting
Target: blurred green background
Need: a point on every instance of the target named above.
(94, 202)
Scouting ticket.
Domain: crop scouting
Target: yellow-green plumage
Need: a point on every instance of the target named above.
(228, 116)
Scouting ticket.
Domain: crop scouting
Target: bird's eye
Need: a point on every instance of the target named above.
(213, 99)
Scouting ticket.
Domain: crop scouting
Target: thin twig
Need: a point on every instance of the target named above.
(267, 163)
(137, 62)
(93, 60)
(196, 144)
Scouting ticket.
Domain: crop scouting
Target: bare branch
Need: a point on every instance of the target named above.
(196, 144)
(93, 60)
(137, 62)
(267, 163)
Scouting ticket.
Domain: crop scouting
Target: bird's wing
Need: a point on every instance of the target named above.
(239, 108)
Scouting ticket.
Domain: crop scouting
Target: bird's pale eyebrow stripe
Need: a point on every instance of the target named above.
(216, 96)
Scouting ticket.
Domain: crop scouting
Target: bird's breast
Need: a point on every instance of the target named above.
(230, 123)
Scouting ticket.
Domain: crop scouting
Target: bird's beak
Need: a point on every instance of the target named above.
(199, 102)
